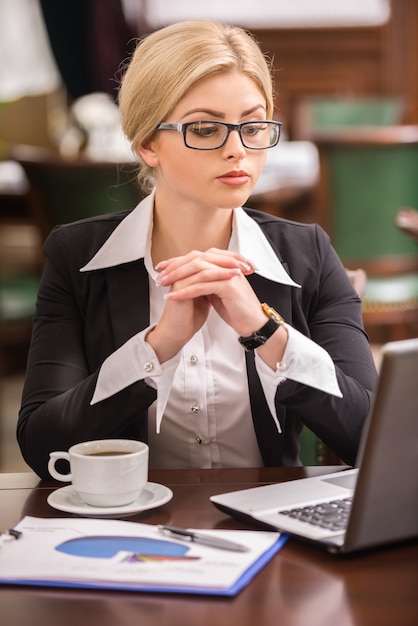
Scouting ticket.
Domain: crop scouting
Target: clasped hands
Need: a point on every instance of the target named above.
(199, 281)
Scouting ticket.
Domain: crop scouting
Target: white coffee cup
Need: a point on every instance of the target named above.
(105, 472)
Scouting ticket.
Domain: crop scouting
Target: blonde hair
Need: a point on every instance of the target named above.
(167, 63)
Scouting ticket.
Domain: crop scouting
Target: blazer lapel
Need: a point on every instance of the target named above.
(128, 297)
(269, 439)
(276, 295)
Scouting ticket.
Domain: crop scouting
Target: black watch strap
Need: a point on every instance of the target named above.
(260, 337)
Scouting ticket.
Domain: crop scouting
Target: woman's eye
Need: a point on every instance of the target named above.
(253, 130)
(204, 130)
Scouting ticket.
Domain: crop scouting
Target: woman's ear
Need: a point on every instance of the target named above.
(148, 153)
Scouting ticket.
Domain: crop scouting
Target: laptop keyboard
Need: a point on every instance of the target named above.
(331, 515)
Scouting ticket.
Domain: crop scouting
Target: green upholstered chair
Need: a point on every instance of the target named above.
(64, 190)
(17, 297)
(366, 176)
(315, 114)
(17, 307)
(313, 451)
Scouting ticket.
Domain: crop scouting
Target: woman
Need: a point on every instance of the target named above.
(161, 323)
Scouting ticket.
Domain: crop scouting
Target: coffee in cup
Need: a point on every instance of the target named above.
(105, 472)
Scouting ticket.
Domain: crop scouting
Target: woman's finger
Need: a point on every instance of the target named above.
(205, 284)
(195, 263)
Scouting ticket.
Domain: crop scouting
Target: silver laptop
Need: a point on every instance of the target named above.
(375, 503)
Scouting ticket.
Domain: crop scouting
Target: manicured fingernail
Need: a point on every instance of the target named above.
(248, 266)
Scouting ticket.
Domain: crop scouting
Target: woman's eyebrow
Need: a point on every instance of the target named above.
(219, 114)
(254, 109)
(209, 112)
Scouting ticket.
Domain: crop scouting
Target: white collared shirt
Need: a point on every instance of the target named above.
(202, 415)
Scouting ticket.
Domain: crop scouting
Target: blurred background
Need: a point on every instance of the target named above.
(346, 81)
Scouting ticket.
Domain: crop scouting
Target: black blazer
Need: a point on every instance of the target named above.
(82, 317)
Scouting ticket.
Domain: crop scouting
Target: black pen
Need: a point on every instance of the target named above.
(10, 535)
(197, 537)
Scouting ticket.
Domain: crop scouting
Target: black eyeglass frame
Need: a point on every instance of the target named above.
(182, 128)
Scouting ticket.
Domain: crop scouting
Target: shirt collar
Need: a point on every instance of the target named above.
(249, 240)
(128, 242)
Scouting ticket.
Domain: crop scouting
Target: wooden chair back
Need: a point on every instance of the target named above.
(65, 190)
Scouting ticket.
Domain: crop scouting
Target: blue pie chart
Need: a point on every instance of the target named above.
(106, 547)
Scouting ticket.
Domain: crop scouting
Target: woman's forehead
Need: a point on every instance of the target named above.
(221, 93)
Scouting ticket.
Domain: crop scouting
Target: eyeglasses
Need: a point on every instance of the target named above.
(210, 135)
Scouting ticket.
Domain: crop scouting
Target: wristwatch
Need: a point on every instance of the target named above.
(260, 337)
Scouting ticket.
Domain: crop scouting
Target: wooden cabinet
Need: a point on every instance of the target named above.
(353, 61)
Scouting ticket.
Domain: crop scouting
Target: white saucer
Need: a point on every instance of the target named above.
(66, 499)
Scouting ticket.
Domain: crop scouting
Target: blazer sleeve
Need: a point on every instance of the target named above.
(329, 311)
(63, 364)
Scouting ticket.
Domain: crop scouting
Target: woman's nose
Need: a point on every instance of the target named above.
(233, 146)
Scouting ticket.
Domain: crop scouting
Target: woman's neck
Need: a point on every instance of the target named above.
(176, 233)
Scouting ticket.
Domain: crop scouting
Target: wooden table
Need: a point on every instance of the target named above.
(301, 586)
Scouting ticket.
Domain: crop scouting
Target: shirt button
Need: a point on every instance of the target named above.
(281, 366)
(198, 441)
(196, 408)
(193, 360)
(148, 367)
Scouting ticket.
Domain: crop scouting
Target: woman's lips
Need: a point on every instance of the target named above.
(234, 179)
